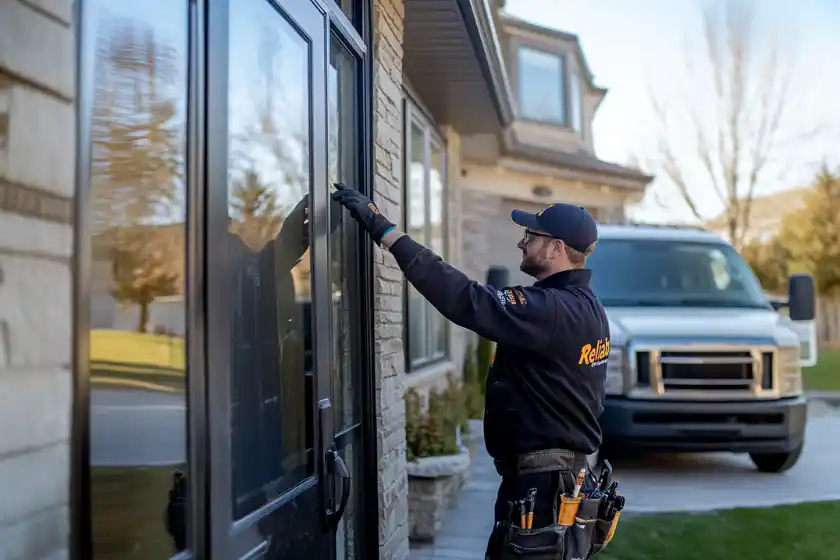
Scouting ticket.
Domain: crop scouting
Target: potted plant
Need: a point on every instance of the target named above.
(438, 466)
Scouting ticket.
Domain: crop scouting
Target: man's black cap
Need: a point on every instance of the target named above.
(573, 225)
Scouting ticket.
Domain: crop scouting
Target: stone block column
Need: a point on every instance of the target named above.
(37, 154)
(388, 17)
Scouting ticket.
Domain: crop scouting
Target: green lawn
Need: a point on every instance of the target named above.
(825, 376)
(785, 532)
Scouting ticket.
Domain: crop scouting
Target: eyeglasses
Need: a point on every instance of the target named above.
(530, 234)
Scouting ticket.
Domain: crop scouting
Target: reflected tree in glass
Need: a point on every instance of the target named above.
(137, 198)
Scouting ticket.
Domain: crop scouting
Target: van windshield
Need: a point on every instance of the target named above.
(644, 272)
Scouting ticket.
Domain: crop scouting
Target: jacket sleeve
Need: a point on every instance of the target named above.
(519, 316)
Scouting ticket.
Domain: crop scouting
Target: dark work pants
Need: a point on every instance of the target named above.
(549, 485)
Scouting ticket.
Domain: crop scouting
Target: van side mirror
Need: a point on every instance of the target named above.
(802, 299)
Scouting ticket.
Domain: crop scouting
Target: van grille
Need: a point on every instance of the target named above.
(678, 372)
(706, 371)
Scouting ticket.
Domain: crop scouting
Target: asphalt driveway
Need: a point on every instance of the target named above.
(655, 483)
(133, 427)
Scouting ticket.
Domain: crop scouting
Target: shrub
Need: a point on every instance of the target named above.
(433, 432)
(473, 398)
(485, 360)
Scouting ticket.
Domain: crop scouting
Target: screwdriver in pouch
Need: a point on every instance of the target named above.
(532, 500)
(606, 476)
(523, 522)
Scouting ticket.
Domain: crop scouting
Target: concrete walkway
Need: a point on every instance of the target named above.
(468, 525)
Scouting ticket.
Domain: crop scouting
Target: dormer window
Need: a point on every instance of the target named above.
(548, 90)
(541, 85)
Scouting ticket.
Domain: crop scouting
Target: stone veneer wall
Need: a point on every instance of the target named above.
(388, 17)
(37, 154)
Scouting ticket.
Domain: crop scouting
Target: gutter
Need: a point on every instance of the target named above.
(479, 23)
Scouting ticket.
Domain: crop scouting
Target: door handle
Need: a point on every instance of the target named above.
(338, 468)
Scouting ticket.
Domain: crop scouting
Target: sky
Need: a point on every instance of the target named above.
(634, 47)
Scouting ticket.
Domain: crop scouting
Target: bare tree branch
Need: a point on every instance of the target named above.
(736, 128)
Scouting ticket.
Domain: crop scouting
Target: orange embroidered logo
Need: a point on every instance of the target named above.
(595, 355)
(510, 297)
(372, 207)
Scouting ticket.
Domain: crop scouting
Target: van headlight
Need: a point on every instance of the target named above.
(614, 384)
(790, 372)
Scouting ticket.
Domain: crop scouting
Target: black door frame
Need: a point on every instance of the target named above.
(199, 135)
(238, 537)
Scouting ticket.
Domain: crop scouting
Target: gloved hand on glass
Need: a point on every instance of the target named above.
(364, 211)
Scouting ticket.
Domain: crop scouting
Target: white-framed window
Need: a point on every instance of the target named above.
(541, 84)
(424, 202)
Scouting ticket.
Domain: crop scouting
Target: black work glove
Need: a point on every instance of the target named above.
(363, 211)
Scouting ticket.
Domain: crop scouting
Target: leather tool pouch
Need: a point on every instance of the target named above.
(579, 533)
(555, 542)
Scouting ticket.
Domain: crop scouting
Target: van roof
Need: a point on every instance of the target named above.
(660, 232)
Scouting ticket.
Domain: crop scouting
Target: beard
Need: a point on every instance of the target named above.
(532, 265)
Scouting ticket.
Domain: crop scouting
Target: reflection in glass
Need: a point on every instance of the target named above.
(437, 324)
(346, 382)
(268, 190)
(349, 538)
(137, 348)
(416, 218)
(343, 159)
(575, 102)
(348, 7)
(541, 85)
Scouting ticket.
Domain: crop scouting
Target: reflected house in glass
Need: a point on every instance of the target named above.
(237, 351)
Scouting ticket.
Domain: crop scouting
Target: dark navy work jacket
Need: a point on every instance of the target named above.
(545, 389)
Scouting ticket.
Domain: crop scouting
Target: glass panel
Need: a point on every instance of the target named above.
(657, 273)
(437, 175)
(343, 165)
(575, 101)
(416, 217)
(348, 7)
(350, 535)
(268, 192)
(541, 85)
(138, 409)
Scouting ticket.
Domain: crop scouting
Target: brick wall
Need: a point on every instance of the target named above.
(36, 190)
(388, 16)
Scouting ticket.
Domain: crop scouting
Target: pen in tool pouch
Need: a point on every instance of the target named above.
(579, 482)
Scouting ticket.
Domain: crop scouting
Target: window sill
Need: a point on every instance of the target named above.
(428, 374)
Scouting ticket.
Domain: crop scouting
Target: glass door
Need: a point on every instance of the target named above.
(278, 484)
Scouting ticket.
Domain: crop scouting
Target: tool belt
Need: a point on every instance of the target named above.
(586, 518)
(540, 461)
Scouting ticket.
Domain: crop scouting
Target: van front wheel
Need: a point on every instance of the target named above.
(776, 462)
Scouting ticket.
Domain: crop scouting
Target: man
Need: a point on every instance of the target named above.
(545, 389)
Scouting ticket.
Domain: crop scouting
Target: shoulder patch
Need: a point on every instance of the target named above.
(502, 298)
(509, 295)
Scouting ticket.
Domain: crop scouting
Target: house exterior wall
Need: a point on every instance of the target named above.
(36, 192)
(388, 19)
(488, 193)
